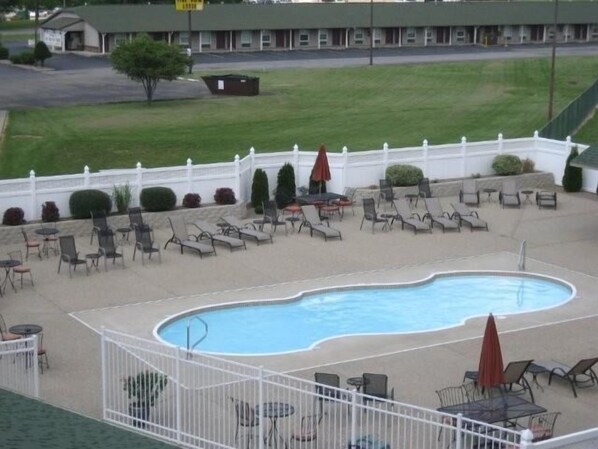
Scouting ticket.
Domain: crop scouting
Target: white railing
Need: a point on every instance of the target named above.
(213, 402)
(19, 371)
(354, 169)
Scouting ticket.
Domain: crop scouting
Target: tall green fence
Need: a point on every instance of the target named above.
(570, 118)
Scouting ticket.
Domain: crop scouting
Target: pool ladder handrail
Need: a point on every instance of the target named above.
(522, 250)
(203, 337)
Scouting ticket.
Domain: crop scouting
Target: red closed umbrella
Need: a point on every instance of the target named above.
(321, 171)
(490, 370)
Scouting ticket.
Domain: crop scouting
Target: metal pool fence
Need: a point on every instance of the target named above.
(19, 370)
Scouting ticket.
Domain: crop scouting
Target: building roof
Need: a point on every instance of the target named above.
(164, 18)
(59, 23)
(28, 423)
(587, 159)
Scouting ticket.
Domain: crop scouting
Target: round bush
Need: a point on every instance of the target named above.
(157, 199)
(506, 165)
(224, 195)
(13, 216)
(3, 52)
(192, 200)
(82, 202)
(26, 57)
(50, 212)
(404, 175)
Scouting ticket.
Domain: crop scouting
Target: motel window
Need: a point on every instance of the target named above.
(246, 38)
(377, 34)
(184, 38)
(266, 38)
(428, 36)
(460, 36)
(595, 31)
(323, 36)
(411, 35)
(119, 38)
(359, 36)
(206, 39)
(303, 37)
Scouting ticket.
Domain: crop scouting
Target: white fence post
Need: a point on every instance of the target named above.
(384, 160)
(568, 144)
(86, 177)
(139, 182)
(527, 437)
(103, 373)
(33, 204)
(425, 156)
(241, 196)
(260, 401)
(500, 143)
(536, 139)
(296, 163)
(177, 371)
(345, 166)
(251, 163)
(354, 412)
(459, 435)
(463, 155)
(35, 367)
(189, 175)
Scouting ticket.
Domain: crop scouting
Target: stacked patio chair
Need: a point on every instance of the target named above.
(423, 190)
(312, 220)
(509, 195)
(469, 193)
(439, 216)
(180, 236)
(145, 244)
(215, 234)
(370, 214)
(245, 230)
(99, 222)
(465, 215)
(70, 255)
(407, 217)
(108, 248)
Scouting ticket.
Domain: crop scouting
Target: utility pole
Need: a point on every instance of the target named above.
(553, 61)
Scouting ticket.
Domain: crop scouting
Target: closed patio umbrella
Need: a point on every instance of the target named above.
(490, 370)
(321, 171)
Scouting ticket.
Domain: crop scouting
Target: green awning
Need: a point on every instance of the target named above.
(587, 159)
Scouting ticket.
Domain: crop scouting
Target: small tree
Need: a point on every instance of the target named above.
(285, 186)
(148, 61)
(41, 52)
(260, 190)
(572, 178)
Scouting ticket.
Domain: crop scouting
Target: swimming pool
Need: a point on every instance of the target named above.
(302, 322)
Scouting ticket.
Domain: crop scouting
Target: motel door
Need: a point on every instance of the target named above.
(280, 38)
(443, 35)
(221, 38)
(338, 37)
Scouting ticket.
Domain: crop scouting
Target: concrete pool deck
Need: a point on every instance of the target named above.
(561, 243)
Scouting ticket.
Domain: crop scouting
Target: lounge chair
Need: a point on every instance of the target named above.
(69, 254)
(312, 220)
(423, 189)
(108, 248)
(386, 191)
(469, 193)
(271, 217)
(145, 244)
(546, 199)
(370, 214)
(509, 195)
(581, 374)
(375, 386)
(439, 216)
(464, 214)
(180, 236)
(245, 230)
(214, 233)
(99, 223)
(407, 217)
(514, 374)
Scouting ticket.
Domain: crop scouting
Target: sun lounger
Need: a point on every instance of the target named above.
(581, 374)
(407, 217)
(180, 236)
(438, 216)
(464, 214)
(212, 232)
(313, 221)
(245, 230)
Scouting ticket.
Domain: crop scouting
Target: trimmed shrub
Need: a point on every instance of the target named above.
(572, 178)
(404, 175)
(13, 216)
(25, 57)
(3, 52)
(225, 195)
(285, 186)
(527, 165)
(157, 199)
(192, 200)
(41, 52)
(50, 212)
(506, 165)
(122, 195)
(82, 202)
(260, 191)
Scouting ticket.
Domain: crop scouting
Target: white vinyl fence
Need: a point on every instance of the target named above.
(348, 169)
(210, 402)
(19, 371)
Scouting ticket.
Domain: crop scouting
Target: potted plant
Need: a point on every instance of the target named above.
(143, 389)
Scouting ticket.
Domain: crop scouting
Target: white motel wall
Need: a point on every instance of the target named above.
(348, 169)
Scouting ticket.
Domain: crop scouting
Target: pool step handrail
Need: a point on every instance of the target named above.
(203, 337)
(522, 249)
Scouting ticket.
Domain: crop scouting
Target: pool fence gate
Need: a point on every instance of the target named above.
(19, 368)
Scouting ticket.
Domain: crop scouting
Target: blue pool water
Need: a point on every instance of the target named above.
(300, 323)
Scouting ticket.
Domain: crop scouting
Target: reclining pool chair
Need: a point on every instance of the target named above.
(464, 214)
(407, 217)
(469, 193)
(514, 374)
(312, 220)
(509, 195)
(180, 236)
(370, 214)
(439, 216)
(214, 233)
(245, 230)
(581, 374)
(145, 244)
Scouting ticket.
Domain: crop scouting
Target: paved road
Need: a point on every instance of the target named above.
(77, 79)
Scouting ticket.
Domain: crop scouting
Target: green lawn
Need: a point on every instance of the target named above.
(589, 133)
(12, 37)
(359, 107)
(16, 25)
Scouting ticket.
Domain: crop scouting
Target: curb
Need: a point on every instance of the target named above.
(28, 67)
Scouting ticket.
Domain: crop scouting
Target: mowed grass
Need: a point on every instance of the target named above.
(360, 107)
(588, 134)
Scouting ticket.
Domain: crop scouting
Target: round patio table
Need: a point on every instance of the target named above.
(25, 329)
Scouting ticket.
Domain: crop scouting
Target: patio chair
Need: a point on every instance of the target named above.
(20, 269)
(308, 432)
(579, 375)
(464, 214)
(407, 217)
(546, 199)
(145, 244)
(542, 425)
(214, 233)
(99, 222)
(271, 217)
(312, 220)
(246, 417)
(368, 441)
(4, 334)
(245, 230)
(370, 214)
(509, 195)
(136, 219)
(375, 386)
(439, 216)
(513, 374)
(423, 190)
(348, 200)
(450, 396)
(473, 392)
(327, 388)
(70, 255)
(180, 236)
(108, 248)
(30, 243)
(42, 353)
(386, 192)
(469, 193)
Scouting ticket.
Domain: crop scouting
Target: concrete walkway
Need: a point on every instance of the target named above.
(561, 243)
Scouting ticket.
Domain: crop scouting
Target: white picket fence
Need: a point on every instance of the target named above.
(209, 402)
(348, 169)
(19, 370)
